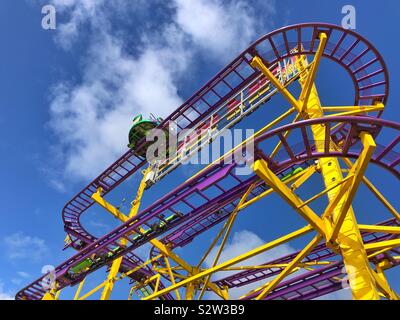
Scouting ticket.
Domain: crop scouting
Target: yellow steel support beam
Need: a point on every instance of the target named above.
(163, 249)
(294, 263)
(388, 244)
(94, 290)
(383, 284)
(258, 63)
(78, 291)
(381, 198)
(171, 276)
(228, 226)
(235, 260)
(383, 229)
(117, 262)
(349, 240)
(110, 208)
(358, 171)
(305, 175)
(270, 125)
(349, 111)
(326, 190)
(261, 169)
(298, 179)
(374, 190)
(285, 135)
(310, 77)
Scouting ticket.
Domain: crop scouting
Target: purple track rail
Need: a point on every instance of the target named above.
(287, 290)
(216, 177)
(359, 58)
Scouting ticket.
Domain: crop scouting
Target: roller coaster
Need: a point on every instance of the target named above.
(308, 140)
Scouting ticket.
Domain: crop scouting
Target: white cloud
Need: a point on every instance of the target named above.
(223, 28)
(20, 246)
(240, 243)
(23, 274)
(92, 118)
(4, 294)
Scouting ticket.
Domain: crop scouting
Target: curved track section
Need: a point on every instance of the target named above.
(194, 201)
(354, 53)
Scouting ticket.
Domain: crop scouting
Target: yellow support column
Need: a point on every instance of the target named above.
(349, 240)
(117, 262)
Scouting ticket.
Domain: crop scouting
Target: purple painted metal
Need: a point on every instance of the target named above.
(212, 177)
(200, 105)
(319, 253)
(371, 85)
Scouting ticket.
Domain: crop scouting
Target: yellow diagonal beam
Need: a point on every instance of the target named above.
(376, 107)
(159, 245)
(358, 171)
(306, 90)
(384, 285)
(298, 179)
(238, 259)
(382, 245)
(383, 229)
(101, 285)
(229, 225)
(258, 63)
(78, 291)
(294, 263)
(261, 169)
(171, 276)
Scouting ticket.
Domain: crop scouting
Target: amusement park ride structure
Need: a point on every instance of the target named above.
(336, 143)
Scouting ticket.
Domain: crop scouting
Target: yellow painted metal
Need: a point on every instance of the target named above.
(352, 110)
(258, 63)
(298, 178)
(78, 291)
(117, 262)
(306, 174)
(349, 240)
(382, 245)
(309, 77)
(171, 276)
(383, 229)
(270, 125)
(123, 275)
(278, 265)
(53, 294)
(326, 190)
(160, 246)
(233, 261)
(261, 169)
(358, 171)
(381, 198)
(374, 190)
(285, 135)
(293, 264)
(383, 284)
(48, 296)
(229, 225)
(110, 208)
(94, 290)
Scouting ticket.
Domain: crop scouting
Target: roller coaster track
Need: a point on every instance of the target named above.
(201, 210)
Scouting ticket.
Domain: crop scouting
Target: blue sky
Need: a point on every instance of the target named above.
(68, 96)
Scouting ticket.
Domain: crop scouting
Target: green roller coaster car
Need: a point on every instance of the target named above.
(140, 129)
(88, 262)
(291, 174)
(158, 226)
